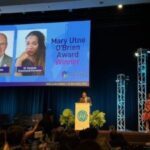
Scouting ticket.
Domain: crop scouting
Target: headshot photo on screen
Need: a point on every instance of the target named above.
(30, 52)
(6, 52)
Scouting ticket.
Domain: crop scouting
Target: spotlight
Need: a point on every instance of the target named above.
(127, 78)
(120, 6)
(148, 52)
(117, 80)
(136, 54)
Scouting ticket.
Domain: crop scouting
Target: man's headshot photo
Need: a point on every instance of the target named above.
(6, 50)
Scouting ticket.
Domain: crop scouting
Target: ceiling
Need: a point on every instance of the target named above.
(22, 6)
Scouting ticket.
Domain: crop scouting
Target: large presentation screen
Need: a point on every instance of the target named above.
(45, 54)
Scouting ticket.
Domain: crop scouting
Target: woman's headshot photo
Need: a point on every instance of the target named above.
(30, 53)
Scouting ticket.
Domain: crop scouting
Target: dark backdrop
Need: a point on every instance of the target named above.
(115, 36)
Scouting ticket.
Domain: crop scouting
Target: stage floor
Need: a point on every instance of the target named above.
(133, 137)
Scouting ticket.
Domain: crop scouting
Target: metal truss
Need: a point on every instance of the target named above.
(121, 90)
(141, 84)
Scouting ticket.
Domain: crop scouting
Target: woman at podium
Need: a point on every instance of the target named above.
(85, 99)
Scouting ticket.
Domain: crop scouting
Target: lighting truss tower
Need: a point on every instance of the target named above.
(121, 90)
(141, 84)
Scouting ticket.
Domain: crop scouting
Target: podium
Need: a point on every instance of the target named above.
(82, 116)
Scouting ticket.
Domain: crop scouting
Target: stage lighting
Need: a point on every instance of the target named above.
(136, 54)
(120, 6)
(148, 52)
(127, 78)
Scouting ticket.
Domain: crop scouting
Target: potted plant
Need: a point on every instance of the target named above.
(67, 118)
(97, 119)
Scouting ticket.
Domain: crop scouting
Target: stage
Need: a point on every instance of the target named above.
(132, 137)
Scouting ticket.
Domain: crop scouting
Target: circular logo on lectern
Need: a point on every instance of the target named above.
(82, 115)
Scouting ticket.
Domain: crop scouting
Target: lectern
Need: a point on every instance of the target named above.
(82, 116)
